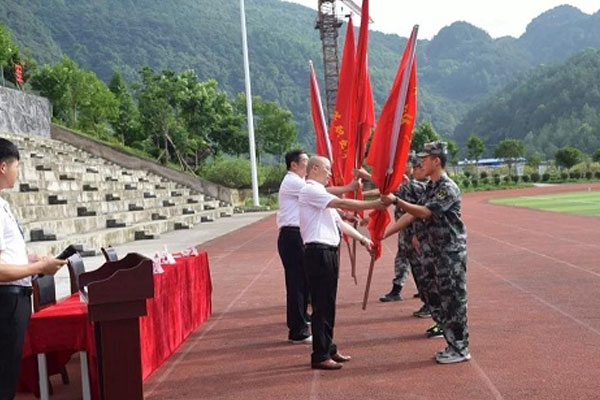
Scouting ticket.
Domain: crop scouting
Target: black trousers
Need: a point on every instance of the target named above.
(15, 311)
(321, 263)
(291, 252)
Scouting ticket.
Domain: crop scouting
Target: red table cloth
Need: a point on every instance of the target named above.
(182, 302)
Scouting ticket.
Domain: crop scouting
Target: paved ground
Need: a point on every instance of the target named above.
(172, 241)
(533, 314)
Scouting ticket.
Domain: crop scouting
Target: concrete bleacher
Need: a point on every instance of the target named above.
(68, 196)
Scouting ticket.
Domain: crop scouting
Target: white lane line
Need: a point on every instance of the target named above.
(213, 323)
(538, 298)
(314, 386)
(487, 380)
(539, 233)
(568, 264)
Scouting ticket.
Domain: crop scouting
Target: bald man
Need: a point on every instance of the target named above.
(320, 228)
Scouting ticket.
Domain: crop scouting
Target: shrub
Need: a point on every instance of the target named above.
(233, 173)
(485, 181)
(497, 180)
(467, 174)
(564, 176)
(466, 183)
(535, 177)
(515, 178)
(545, 177)
(273, 177)
(575, 175)
(525, 178)
(589, 175)
(475, 182)
(597, 174)
(483, 175)
(506, 179)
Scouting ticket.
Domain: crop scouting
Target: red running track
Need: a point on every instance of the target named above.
(534, 317)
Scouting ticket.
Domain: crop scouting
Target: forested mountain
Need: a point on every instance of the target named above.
(458, 68)
(550, 107)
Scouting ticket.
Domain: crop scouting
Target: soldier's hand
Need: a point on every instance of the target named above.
(361, 173)
(50, 265)
(416, 245)
(405, 180)
(354, 185)
(387, 199)
(365, 221)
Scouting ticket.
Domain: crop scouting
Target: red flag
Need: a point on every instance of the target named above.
(323, 145)
(339, 131)
(391, 143)
(363, 112)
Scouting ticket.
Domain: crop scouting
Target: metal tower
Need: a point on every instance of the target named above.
(328, 24)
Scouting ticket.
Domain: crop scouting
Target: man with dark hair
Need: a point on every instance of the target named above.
(290, 247)
(320, 227)
(444, 250)
(16, 269)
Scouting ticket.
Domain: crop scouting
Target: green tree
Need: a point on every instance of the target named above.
(79, 99)
(127, 121)
(510, 150)
(475, 149)
(424, 133)
(534, 160)
(567, 157)
(275, 130)
(8, 49)
(596, 156)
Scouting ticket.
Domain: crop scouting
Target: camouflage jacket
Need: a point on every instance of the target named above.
(412, 193)
(445, 231)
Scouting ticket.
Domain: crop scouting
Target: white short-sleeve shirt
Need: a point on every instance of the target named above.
(318, 224)
(12, 243)
(289, 191)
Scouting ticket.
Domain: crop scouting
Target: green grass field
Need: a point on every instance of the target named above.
(582, 203)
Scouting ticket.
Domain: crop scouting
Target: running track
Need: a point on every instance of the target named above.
(534, 318)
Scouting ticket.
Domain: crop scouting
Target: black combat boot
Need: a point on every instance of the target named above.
(393, 295)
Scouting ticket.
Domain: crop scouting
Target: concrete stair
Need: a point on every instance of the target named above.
(67, 196)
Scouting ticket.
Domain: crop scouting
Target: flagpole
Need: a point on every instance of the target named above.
(249, 111)
(313, 77)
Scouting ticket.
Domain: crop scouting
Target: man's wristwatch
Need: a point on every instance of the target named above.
(396, 200)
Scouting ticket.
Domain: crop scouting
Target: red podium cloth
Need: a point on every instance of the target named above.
(182, 302)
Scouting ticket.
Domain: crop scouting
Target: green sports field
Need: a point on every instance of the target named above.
(582, 203)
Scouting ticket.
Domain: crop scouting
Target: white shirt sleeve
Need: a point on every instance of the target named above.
(2, 224)
(319, 198)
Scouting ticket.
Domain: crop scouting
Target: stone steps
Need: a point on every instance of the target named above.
(83, 199)
(107, 237)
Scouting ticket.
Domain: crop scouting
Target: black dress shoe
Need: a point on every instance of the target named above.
(327, 364)
(340, 358)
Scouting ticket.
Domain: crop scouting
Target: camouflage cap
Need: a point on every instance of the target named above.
(412, 160)
(433, 149)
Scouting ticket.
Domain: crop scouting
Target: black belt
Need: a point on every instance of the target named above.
(292, 228)
(16, 289)
(320, 246)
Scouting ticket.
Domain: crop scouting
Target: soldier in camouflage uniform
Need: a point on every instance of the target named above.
(410, 191)
(444, 251)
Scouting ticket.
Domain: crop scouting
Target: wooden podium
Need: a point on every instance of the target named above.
(116, 295)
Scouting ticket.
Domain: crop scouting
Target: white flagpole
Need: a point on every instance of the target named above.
(249, 107)
(313, 77)
(401, 101)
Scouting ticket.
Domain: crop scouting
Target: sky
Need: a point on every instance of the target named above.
(498, 18)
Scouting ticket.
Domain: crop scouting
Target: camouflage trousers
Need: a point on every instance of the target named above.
(418, 272)
(401, 262)
(447, 295)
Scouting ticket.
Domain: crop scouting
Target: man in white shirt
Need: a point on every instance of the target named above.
(320, 227)
(16, 269)
(290, 247)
